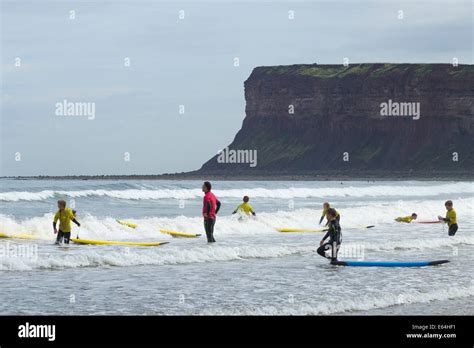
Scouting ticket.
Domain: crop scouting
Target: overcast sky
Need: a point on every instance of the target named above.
(188, 61)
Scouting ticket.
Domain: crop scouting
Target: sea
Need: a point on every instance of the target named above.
(252, 269)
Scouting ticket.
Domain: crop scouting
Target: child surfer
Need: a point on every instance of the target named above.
(327, 206)
(65, 216)
(407, 219)
(450, 218)
(245, 207)
(334, 234)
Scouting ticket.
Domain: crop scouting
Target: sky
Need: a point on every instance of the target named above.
(162, 75)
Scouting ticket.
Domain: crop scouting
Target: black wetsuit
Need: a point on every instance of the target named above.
(452, 229)
(209, 222)
(209, 227)
(335, 239)
(66, 236)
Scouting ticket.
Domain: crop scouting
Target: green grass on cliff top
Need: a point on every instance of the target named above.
(373, 70)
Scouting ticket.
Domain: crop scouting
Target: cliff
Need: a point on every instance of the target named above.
(359, 120)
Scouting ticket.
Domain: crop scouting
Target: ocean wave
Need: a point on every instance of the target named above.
(265, 223)
(259, 192)
(94, 256)
(78, 256)
(413, 244)
(361, 303)
(254, 237)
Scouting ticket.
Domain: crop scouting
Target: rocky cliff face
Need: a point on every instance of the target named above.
(364, 119)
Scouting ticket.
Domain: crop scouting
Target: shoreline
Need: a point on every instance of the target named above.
(258, 177)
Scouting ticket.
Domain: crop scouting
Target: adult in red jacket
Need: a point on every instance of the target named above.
(210, 207)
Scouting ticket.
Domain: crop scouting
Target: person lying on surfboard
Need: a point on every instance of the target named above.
(450, 218)
(245, 207)
(65, 216)
(408, 219)
(334, 234)
(210, 208)
(327, 206)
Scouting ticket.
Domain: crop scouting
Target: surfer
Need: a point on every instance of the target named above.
(450, 218)
(334, 234)
(65, 216)
(210, 208)
(245, 207)
(407, 219)
(327, 206)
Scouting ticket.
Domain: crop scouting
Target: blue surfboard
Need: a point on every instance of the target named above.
(389, 263)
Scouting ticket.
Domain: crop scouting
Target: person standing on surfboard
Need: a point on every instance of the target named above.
(210, 208)
(326, 206)
(65, 216)
(407, 218)
(334, 234)
(450, 218)
(245, 207)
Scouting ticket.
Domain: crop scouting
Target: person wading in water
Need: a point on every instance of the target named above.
(210, 207)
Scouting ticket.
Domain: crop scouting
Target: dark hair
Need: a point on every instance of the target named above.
(208, 185)
(62, 202)
(331, 212)
(450, 202)
(246, 199)
(414, 214)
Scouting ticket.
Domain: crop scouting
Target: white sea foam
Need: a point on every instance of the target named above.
(97, 256)
(379, 214)
(255, 237)
(360, 303)
(196, 252)
(258, 192)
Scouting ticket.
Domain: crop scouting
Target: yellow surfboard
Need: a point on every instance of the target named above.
(125, 223)
(319, 230)
(18, 235)
(180, 234)
(171, 233)
(299, 230)
(106, 242)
